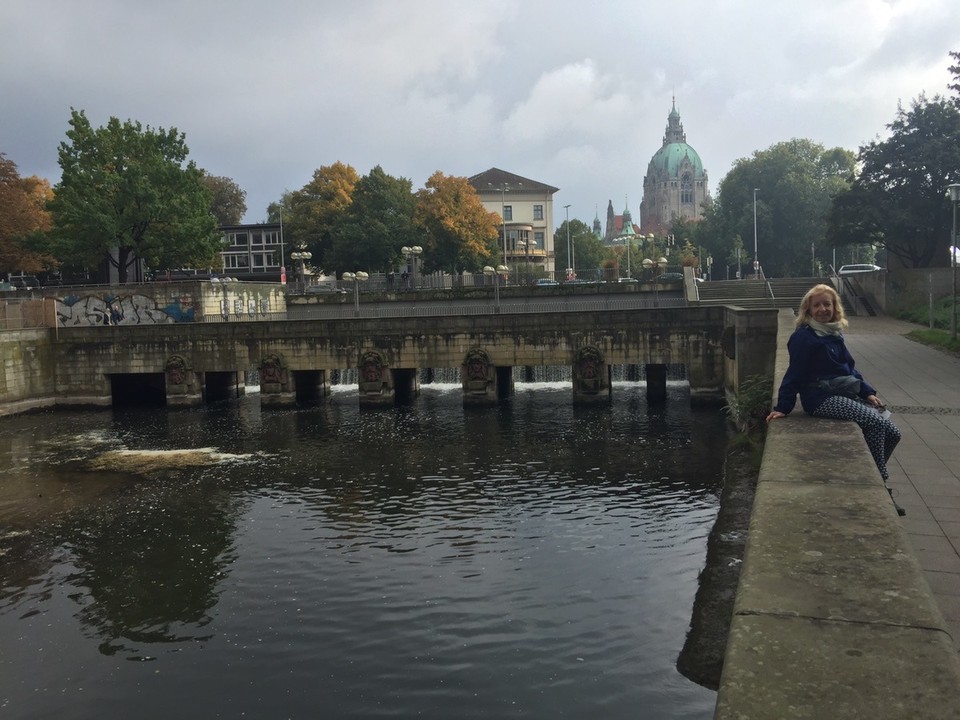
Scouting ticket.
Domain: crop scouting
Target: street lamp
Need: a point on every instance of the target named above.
(756, 257)
(356, 278)
(522, 245)
(954, 191)
(411, 254)
(497, 273)
(301, 255)
(626, 236)
(654, 265)
(709, 267)
(570, 270)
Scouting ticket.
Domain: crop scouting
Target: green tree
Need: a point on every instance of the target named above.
(795, 183)
(897, 199)
(378, 222)
(24, 220)
(460, 233)
(128, 192)
(955, 69)
(228, 202)
(312, 213)
(588, 250)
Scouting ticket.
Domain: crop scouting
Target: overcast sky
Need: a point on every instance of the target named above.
(569, 93)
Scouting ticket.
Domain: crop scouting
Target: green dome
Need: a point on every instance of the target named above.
(669, 158)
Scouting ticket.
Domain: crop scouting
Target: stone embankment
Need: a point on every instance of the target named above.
(833, 617)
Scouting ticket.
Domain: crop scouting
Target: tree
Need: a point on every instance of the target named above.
(127, 192)
(311, 213)
(460, 233)
(795, 183)
(897, 199)
(23, 219)
(955, 69)
(229, 202)
(587, 249)
(378, 222)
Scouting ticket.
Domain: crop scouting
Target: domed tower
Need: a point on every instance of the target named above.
(675, 184)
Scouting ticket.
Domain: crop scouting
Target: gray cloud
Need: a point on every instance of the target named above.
(573, 96)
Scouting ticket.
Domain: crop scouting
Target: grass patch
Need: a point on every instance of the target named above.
(936, 338)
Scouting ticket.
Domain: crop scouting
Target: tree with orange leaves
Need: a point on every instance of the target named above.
(460, 233)
(23, 220)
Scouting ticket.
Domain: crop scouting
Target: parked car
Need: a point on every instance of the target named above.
(858, 268)
(333, 289)
(544, 282)
(669, 276)
(626, 280)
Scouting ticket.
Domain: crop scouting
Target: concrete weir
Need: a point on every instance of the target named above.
(198, 362)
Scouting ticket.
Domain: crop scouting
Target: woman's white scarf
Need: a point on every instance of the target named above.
(822, 329)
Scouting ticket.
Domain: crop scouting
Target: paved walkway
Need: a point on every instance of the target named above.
(921, 387)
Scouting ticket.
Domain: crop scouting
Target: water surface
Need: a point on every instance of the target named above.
(528, 561)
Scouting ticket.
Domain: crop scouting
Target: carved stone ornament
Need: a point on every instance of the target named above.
(476, 364)
(176, 370)
(271, 369)
(371, 367)
(588, 365)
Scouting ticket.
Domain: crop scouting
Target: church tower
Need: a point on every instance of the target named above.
(675, 185)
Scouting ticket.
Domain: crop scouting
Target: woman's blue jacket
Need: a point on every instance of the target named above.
(812, 358)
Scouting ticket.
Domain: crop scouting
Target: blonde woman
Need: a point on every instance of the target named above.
(822, 372)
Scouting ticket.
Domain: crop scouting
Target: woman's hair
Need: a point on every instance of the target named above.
(803, 314)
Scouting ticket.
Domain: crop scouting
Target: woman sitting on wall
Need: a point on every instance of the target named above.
(822, 372)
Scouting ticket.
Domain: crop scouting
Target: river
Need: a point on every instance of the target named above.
(533, 560)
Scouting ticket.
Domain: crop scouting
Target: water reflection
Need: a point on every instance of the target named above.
(528, 560)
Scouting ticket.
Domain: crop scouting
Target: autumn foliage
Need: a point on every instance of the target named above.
(23, 216)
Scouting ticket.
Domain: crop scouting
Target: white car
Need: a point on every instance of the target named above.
(852, 269)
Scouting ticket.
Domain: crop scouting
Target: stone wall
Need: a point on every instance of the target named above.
(27, 379)
(833, 617)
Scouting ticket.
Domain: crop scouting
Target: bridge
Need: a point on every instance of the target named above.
(188, 364)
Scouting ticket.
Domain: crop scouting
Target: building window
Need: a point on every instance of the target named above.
(686, 189)
(538, 212)
(538, 239)
(239, 239)
(508, 213)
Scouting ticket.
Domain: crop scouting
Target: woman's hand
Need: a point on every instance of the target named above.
(774, 414)
(873, 400)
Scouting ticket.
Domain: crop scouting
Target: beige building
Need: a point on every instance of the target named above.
(525, 208)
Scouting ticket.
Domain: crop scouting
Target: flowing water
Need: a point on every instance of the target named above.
(533, 560)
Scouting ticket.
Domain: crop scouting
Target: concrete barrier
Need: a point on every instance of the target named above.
(833, 617)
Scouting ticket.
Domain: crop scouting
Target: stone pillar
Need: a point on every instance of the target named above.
(478, 378)
(656, 383)
(375, 381)
(591, 376)
(276, 386)
(182, 385)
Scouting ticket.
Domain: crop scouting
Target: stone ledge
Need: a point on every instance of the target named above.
(833, 616)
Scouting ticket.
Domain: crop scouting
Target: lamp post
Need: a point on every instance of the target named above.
(654, 265)
(626, 236)
(411, 254)
(522, 245)
(954, 191)
(356, 278)
(756, 257)
(301, 255)
(569, 261)
(497, 272)
(709, 267)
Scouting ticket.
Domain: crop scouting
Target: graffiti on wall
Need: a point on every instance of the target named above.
(112, 309)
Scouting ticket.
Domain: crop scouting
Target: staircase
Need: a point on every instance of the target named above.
(776, 293)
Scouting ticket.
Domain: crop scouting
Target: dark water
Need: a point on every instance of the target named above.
(528, 561)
